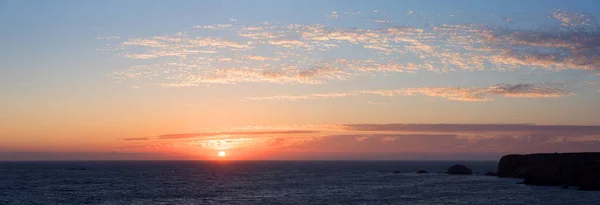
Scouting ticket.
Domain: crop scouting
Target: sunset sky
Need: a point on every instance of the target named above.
(279, 80)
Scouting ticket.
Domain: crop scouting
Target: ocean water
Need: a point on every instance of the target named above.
(268, 182)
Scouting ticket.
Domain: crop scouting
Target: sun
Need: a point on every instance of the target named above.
(222, 153)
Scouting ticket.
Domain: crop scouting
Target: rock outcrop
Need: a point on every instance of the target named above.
(571, 169)
(422, 172)
(459, 169)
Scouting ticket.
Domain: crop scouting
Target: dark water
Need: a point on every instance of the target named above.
(324, 182)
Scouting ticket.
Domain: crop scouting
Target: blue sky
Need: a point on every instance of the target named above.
(87, 74)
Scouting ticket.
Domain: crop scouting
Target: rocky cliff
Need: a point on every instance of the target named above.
(575, 169)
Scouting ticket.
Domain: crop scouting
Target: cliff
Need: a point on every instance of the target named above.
(575, 169)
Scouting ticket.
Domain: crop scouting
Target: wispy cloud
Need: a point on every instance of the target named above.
(377, 103)
(303, 97)
(258, 58)
(288, 43)
(450, 144)
(177, 43)
(271, 132)
(136, 139)
(571, 44)
(450, 93)
(353, 12)
(212, 134)
(382, 21)
(531, 129)
(529, 90)
(108, 38)
(480, 94)
(333, 15)
(214, 26)
(289, 75)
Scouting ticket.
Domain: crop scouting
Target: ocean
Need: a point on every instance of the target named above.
(269, 182)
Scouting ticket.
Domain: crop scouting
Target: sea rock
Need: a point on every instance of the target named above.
(396, 172)
(491, 174)
(554, 169)
(459, 169)
(422, 172)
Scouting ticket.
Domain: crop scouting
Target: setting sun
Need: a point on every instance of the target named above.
(222, 153)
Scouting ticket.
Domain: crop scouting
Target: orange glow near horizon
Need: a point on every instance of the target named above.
(222, 154)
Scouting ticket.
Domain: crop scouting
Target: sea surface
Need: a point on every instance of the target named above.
(268, 182)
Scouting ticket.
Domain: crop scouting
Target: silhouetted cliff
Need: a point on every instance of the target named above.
(576, 169)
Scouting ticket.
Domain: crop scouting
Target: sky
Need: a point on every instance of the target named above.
(298, 80)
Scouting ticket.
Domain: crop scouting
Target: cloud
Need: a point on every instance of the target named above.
(137, 139)
(399, 139)
(571, 19)
(212, 134)
(288, 43)
(361, 138)
(450, 93)
(501, 138)
(504, 129)
(529, 90)
(289, 75)
(475, 94)
(593, 82)
(175, 43)
(294, 50)
(232, 140)
(396, 143)
(108, 38)
(214, 26)
(260, 33)
(87, 156)
(258, 58)
(156, 54)
(547, 49)
(449, 144)
(303, 97)
(377, 103)
(353, 12)
(333, 15)
(382, 21)
(311, 38)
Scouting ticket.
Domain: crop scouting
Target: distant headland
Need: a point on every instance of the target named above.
(554, 169)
